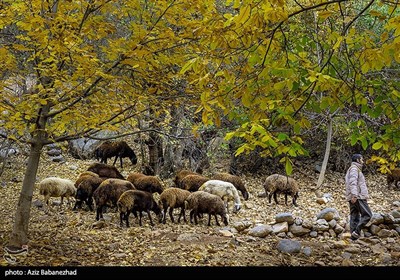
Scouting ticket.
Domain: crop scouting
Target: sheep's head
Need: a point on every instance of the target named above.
(245, 195)
(237, 207)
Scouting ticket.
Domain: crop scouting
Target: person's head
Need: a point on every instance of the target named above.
(357, 158)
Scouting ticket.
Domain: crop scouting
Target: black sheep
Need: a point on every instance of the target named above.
(118, 149)
(136, 200)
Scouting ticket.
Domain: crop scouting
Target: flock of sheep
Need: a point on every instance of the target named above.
(191, 191)
(107, 187)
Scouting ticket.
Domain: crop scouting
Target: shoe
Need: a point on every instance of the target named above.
(355, 235)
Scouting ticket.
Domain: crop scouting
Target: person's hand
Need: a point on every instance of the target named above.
(353, 199)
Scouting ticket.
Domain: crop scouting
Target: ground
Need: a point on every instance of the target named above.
(61, 237)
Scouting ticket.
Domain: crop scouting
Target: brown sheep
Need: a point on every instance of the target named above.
(182, 174)
(108, 193)
(104, 170)
(193, 182)
(136, 200)
(84, 192)
(276, 184)
(235, 180)
(393, 176)
(173, 198)
(117, 149)
(203, 202)
(146, 183)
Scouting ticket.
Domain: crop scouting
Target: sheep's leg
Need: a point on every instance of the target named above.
(294, 200)
(148, 214)
(164, 213)
(98, 211)
(121, 218)
(286, 199)
(182, 214)
(127, 218)
(89, 203)
(140, 218)
(170, 214)
(226, 204)
(120, 159)
(270, 197)
(209, 220)
(216, 220)
(275, 198)
(191, 216)
(195, 217)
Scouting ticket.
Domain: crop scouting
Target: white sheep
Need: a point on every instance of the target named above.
(56, 187)
(224, 190)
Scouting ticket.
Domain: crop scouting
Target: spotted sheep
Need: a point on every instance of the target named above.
(276, 184)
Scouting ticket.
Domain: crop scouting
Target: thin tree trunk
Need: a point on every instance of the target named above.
(326, 156)
(19, 235)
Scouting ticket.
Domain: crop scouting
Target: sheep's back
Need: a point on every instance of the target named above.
(111, 190)
(174, 197)
(193, 182)
(55, 186)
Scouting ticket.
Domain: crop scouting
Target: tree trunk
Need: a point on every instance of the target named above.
(326, 156)
(153, 152)
(19, 235)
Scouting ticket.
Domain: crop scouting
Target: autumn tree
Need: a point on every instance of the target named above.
(93, 65)
(274, 65)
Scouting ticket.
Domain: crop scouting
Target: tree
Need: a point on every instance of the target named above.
(270, 63)
(94, 64)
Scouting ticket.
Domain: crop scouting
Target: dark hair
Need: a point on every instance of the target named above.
(356, 157)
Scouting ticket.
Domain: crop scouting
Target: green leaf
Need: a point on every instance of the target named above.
(288, 166)
(377, 145)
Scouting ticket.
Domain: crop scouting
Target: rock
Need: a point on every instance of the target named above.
(284, 217)
(328, 214)
(280, 227)
(260, 231)
(289, 246)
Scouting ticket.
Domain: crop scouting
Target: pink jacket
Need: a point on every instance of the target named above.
(355, 182)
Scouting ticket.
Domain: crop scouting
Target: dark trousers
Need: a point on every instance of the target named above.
(360, 214)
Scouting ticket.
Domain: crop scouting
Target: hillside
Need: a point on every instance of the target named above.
(62, 237)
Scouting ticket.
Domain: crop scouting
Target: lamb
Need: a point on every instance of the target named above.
(117, 149)
(393, 176)
(146, 183)
(108, 193)
(104, 170)
(203, 202)
(224, 190)
(56, 187)
(84, 191)
(276, 183)
(182, 174)
(235, 180)
(193, 182)
(173, 198)
(136, 200)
